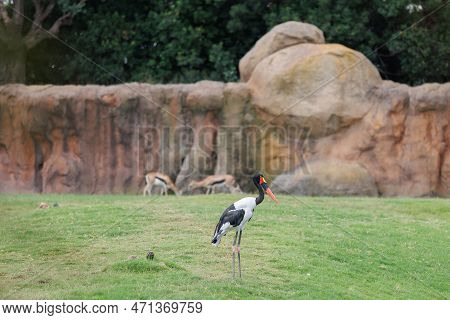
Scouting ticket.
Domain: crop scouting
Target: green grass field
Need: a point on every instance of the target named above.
(311, 248)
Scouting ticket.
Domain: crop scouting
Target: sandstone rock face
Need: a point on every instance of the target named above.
(323, 87)
(405, 149)
(327, 178)
(281, 36)
(96, 139)
(402, 142)
(313, 105)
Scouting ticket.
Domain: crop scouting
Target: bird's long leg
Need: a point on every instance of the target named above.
(239, 253)
(234, 250)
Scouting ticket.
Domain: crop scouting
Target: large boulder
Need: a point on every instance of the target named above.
(323, 87)
(327, 178)
(281, 36)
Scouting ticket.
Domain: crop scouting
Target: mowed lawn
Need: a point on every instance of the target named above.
(304, 248)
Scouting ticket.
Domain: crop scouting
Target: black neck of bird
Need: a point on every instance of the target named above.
(260, 197)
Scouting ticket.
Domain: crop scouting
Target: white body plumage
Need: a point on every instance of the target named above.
(248, 204)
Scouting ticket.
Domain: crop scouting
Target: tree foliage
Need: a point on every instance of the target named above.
(190, 40)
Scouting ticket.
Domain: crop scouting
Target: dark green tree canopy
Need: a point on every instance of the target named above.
(191, 40)
(23, 25)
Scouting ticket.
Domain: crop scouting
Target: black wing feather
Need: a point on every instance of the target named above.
(231, 215)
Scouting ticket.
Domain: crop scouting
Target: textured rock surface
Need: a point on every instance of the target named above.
(403, 141)
(281, 36)
(351, 127)
(404, 145)
(96, 139)
(321, 87)
(327, 178)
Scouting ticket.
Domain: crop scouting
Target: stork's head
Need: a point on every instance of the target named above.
(261, 183)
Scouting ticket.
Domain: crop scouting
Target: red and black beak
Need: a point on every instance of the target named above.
(266, 188)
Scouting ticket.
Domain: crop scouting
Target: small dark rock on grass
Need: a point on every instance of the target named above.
(150, 255)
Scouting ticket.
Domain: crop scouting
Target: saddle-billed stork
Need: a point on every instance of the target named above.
(238, 214)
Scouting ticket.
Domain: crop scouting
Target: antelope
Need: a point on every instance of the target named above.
(161, 180)
(210, 182)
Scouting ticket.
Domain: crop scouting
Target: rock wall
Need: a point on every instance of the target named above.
(403, 142)
(317, 115)
(96, 139)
